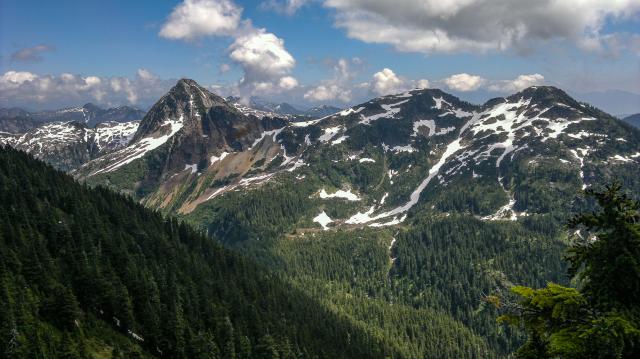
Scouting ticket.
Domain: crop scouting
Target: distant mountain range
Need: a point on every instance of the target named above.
(17, 120)
(68, 145)
(260, 107)
(632, 119)
(69, 137)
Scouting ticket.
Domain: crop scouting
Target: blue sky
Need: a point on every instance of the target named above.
(312, 52)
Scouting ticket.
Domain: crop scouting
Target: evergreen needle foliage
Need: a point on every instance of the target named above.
(600, 319)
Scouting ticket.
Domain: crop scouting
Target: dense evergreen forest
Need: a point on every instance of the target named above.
(90, 273)
(420, 284)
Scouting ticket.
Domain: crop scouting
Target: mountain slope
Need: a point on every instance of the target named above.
(68, 145)
(403, 144)
(72, 256)
(182, 138)
(260, 108)
(421, 201)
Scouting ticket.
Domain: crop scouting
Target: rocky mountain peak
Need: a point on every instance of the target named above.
(187, 103)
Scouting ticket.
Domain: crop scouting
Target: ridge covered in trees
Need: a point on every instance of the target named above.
(87, 270)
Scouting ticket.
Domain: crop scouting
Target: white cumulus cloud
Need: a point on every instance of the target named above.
(192, 19)
(328, 92)
(464, 82)
(288, 83)
(423, 84)
(338, 87)
(262, 55)
(16, 78)
(265, 61)
(288, 7)
(518, 84)
(436, 26)
(386, 82)
(20, 88)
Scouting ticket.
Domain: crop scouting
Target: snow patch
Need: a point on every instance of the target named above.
(273, 134)
(329, 133)
(390, 111)
(323, 220)
(215, 159)
(348, 195)
(339, 140)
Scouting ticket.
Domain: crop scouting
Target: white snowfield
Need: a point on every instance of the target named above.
(621, 158)
(348, 111)
(348, 195)
(431, 126)
(272, 133)
(580, 154)
(323, 220)
(449, 109)
(329, 133)
(339, 140)
(504, 212)
(193, 168)
(51, 135)
(140, 148)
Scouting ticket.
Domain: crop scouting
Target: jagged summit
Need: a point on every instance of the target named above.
(187, 82)
(187, 103)
(184, 129)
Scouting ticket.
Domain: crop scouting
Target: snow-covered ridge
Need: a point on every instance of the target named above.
(46, 138)
(514, 121)
(138, 149)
